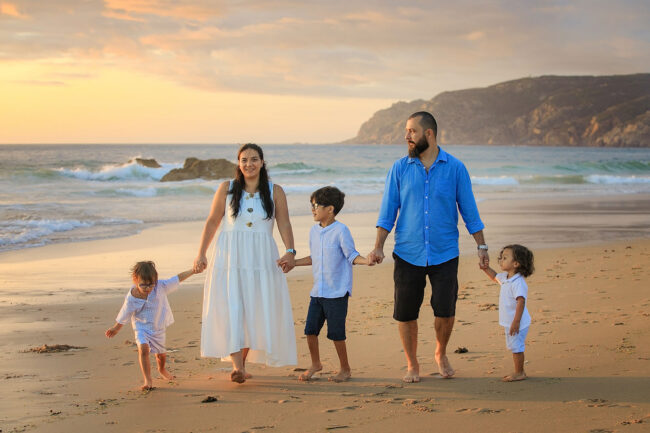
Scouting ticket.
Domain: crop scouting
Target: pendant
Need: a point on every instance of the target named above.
(249, 224)
(250, 209)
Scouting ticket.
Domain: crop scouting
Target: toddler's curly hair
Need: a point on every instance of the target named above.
(524, 257)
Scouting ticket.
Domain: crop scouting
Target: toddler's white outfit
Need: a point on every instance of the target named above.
(511, 289)
(150, 317)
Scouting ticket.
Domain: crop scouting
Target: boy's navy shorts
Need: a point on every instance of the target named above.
(334, 310)
(409, 288)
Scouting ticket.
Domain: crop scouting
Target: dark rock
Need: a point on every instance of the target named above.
(461, 350)
(209, 399)
(606, 111)
(204, 169)
(151, 163)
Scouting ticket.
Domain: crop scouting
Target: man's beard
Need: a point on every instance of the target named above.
(420, 146)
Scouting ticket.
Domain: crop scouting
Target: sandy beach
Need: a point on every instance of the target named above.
(588, 351)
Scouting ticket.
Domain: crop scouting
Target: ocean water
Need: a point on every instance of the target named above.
(64, 193)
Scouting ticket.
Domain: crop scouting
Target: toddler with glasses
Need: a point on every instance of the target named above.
(332, 254)
(147, 307)
(516, 262)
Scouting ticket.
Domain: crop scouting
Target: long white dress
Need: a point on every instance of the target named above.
(246, 298)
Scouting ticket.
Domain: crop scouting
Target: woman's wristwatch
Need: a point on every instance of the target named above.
(291, 250)
(483, 247)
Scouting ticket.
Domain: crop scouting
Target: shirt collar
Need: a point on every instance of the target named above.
(329, 227)
(514, 277)
(442, 157)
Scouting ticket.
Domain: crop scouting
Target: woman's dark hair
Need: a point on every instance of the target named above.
(263, 187)
(524, 257)
(145, 271)
(329, 196)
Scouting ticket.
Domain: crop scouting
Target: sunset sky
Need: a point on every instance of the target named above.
(210, 71)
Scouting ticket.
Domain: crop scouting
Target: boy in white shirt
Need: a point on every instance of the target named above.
(332, 254)
(517, 262)
(147, 307)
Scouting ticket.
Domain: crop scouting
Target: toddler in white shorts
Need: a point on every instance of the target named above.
(516, 262)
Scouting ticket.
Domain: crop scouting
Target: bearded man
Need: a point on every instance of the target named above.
(424, 192)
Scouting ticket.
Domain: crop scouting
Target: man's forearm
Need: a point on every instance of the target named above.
(479, 238)
(382, 234)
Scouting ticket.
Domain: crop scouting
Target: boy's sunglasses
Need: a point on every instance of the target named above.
(146, 286)
(315, 206)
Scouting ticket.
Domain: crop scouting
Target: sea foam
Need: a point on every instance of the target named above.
(114, 172)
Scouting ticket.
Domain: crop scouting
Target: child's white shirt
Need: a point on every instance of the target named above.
(153, 313)
(332, 254)
(511, 289)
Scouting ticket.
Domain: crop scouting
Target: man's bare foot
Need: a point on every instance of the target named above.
(444, 367)
(341, 376)
(412, 376)
(237, 376)
(307, 375)
(514, 377)
(166, 374)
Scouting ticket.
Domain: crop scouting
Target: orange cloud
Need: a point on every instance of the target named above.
(11, 10)
(474, 36)
(165, 8)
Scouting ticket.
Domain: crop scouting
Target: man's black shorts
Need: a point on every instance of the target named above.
(410, 281)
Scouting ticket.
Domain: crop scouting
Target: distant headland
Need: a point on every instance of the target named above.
(603, 111)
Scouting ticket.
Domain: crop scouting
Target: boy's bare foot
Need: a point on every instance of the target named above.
(307, 375)
(166, 374)
(147, 388)
(514, 377)
(444, 367)
(237, 376)
(412, 376)
(341, 376)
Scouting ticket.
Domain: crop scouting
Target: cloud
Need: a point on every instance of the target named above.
(372, 48)
(196, 10)
(474, 36)
(11, 10)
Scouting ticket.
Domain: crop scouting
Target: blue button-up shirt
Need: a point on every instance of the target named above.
(332, 254)
(428, 203)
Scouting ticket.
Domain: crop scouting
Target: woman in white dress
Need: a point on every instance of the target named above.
(246, 306)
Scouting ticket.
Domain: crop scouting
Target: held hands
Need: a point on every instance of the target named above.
(200, 263)
(483, 259)
(375, 256)
(287, 262)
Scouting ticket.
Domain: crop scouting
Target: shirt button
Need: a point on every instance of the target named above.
(426, 227)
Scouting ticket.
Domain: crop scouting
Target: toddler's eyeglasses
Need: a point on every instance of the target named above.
(146, 286)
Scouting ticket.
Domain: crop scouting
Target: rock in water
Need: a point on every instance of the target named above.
(151, 163)
(195, 168)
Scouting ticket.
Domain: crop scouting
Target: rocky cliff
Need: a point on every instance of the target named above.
(611, 111)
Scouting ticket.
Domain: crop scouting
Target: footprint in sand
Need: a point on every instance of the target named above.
(342, 408)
